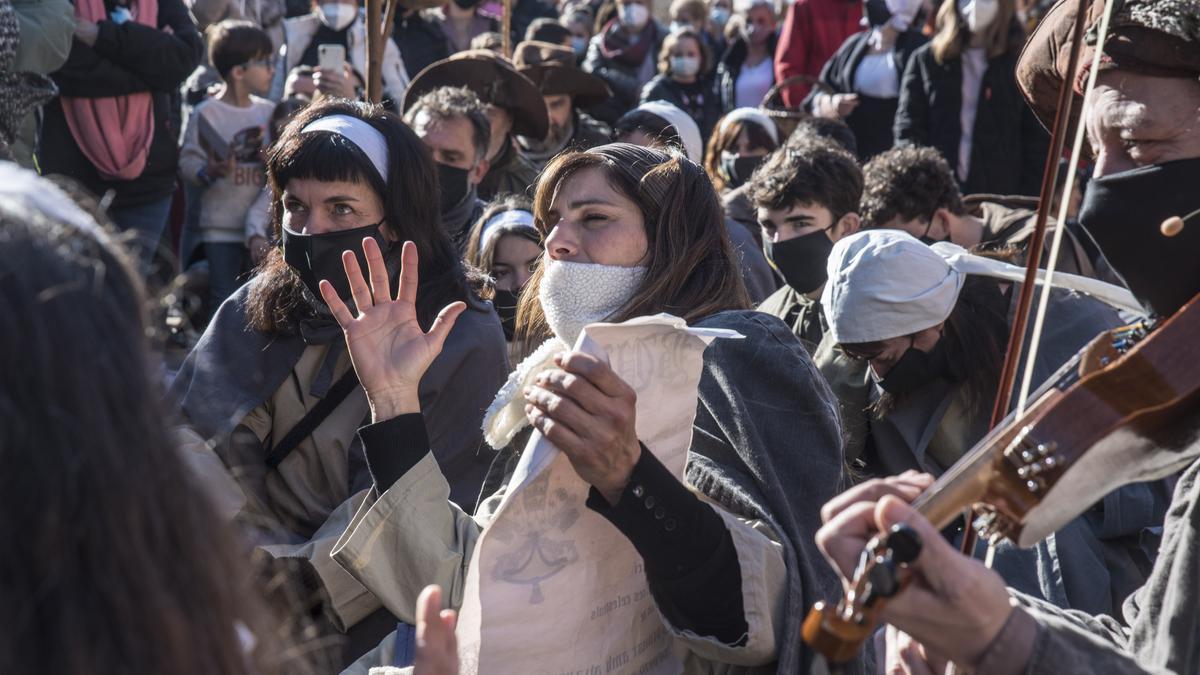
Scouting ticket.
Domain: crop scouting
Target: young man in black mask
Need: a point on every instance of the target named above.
(806, 195)
(452, 123)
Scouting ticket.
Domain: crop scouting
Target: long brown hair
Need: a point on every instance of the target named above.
(276, 299)
(952, 34)
(691, 269)
(117, 562)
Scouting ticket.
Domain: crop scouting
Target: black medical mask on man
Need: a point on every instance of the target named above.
(1125, 214)
(801, 260)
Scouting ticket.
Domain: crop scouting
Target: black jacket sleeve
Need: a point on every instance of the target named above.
(912, 113)
(87, 74)
(162, 58)
(691, 563)
(393, 447)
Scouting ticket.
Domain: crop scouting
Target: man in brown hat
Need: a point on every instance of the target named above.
(1143, 127)
(567, 90)
(514, 106)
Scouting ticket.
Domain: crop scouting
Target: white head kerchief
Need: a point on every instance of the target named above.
(684, 125)
(493, 226)
(751, 115)
(366, 137)
(885, 284)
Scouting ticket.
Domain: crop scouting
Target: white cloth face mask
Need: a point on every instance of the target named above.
(576, 294)
(337, 15)
(979, 14)
(634, 17)
(686, 66)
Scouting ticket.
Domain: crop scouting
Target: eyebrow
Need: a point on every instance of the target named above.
(801, 217)
(588, 202)
(340, 198)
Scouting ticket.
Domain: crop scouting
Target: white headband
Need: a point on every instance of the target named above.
(366, 137)
(751, 115)
(492, 227)
(885, 284)
(683, 123)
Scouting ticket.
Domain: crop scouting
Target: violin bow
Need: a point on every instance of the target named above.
(1016, 338)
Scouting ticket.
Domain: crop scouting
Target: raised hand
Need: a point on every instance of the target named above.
(437, 647)
(389, 350)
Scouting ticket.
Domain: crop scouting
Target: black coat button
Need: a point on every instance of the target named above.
(638, 491)
(669, 526)
(650, 502)
(660, 513)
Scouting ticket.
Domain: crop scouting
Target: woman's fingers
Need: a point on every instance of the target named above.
(381, 290)
(409, 274)
(843, 538)
(598, 372)
(340, 311)
(563, 437)
(577, 388)
(442, 325)
(562, 409)
(358, 285)
(437, 647)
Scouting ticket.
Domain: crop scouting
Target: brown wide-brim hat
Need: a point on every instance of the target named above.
(552, 68)
(494, 80)
(1153, 37)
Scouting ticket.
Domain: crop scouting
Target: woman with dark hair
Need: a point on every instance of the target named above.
(929, 325)
(505, 244)
(118, 562)
(270, 385)
(742, 140)
(958, 95)
(629, 232)
(624, 53)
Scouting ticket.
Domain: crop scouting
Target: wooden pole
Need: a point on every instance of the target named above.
(506, 28)
(374, 51)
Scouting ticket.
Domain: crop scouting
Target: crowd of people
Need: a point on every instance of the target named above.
(319, 332)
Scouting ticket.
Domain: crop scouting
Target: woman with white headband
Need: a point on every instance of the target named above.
(862, 77)
(630, 232)
(505, 244)
(270, 385)
(930, 326)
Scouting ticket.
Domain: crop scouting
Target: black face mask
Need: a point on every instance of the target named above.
(453, 184)
(319, 256)
(738, 169)
(876, 12)
(505, 303)
(914, 369)
(466, 4)
(801, 260)
(1123, 213)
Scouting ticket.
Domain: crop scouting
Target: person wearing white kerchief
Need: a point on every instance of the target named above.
(506, 245)
(862, 78)
(630, 232)
(672, 127)
(930, 325)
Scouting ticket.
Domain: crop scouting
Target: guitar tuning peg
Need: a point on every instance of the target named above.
(904, 544)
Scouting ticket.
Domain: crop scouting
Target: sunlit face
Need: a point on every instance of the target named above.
(256, 74)
(687, 48)
(591, 222)
(513, 261)
(801, 219)
(451, 142)
(311, 206)
(1134, 120)
(883, 355)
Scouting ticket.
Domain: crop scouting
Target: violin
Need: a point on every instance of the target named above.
(1037, 471)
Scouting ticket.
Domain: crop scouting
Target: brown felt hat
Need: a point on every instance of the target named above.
(552, 68)
(1153, 37)
(494, 80)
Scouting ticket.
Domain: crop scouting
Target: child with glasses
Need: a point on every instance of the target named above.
(223, 145)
